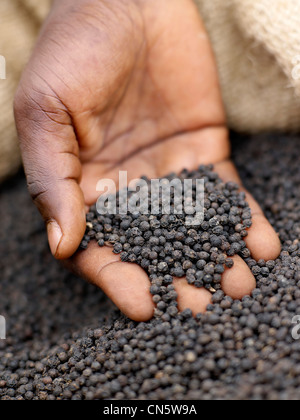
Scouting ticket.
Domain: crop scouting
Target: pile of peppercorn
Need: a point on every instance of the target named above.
(166, 246)
(66, 341)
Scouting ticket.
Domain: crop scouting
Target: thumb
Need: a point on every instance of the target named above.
(51, 160)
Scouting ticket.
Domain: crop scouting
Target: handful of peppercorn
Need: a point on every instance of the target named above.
(166, 247)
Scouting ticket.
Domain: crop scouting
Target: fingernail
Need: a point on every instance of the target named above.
(54, 236)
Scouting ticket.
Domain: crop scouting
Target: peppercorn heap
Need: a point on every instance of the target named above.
(166, 247)
(65, 340)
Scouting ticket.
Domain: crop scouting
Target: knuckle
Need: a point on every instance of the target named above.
(37, 186)
(41, 193)
(37, 110)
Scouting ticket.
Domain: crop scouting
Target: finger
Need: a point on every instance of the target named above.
(127, 285)
(262, 239)
(189, 297)
(238, 281)
(50, 154)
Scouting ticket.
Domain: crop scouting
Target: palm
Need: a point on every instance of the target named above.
(162, 90)
(139, 93)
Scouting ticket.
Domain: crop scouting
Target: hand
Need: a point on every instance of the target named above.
(123, 85)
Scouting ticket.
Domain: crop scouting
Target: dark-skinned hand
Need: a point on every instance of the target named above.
(125, 85)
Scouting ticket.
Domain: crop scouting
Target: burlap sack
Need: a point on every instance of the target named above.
(257, 46)
(20, 21)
